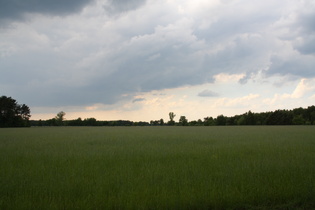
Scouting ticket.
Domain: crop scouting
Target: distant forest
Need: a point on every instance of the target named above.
(297, 116)
(13, 114)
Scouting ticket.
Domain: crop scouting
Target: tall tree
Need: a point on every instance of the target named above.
(60, 118)
(13, 114)
(172, 116)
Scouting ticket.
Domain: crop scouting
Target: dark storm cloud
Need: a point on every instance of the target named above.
(16, 9)
(120, 6)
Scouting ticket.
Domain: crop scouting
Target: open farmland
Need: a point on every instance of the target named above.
(254, 167)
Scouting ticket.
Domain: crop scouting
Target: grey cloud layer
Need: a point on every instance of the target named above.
(151, 46)
(114, 7)
(16, 9)
(305, 28)
(301, 35)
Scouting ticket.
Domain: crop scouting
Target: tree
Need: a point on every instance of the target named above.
(52, 122)
(241, 120)
(90, 122)
(250, 118)
(208, 121)
(60, 118)
(183, 121)
(154, 122)
(280, 117)
(13, 114)
(298, 120)
(247, 119)
(310, 114)
(172, 116)
(221, 120)
(76, 122)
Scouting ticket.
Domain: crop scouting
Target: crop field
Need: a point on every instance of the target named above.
(249, 167)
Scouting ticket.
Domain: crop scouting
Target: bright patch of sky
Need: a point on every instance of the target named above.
(141, 59)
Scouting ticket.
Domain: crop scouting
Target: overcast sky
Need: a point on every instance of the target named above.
(141, 59)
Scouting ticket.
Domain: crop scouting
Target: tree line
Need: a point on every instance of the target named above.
(297, 116)
(13, 114)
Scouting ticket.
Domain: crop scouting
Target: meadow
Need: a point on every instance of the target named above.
(248, 167)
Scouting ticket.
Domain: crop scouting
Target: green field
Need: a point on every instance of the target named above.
(254, 167)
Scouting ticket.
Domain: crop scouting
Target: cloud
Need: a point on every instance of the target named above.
(304, 27)
(301, 96)
(17, 9)
(208, 93)
(114, 7)
(236, 102)
(296, 33)
(294, 64)
(225, 78)
(305, 86)
(138, 100)
(114, 50)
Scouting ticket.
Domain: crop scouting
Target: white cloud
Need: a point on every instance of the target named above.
(301, 96)
(225, 78)
(235, 102)
(303, 87)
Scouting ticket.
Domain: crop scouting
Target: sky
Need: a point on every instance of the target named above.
(141, 59)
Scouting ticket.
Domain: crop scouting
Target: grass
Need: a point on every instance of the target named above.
(258, 167)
